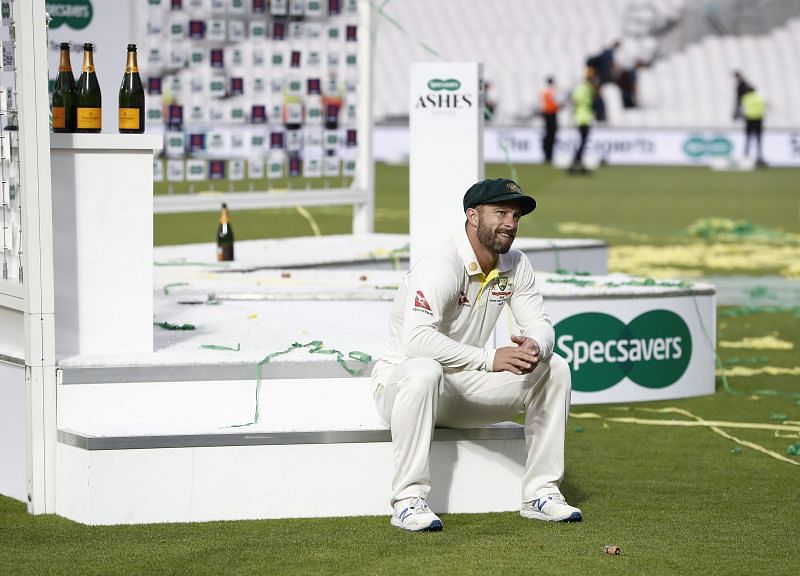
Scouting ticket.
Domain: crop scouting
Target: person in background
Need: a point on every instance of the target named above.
(628, 85)
(604, 65)
(549, 108)
(753, 108)
(489, 103)
(583, 114)
(605, 71)
(742, 86)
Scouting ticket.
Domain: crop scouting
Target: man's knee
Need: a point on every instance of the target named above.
(557, 375)
(559, 370)
(423, 376)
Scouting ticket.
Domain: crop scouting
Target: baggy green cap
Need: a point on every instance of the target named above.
(498, 190)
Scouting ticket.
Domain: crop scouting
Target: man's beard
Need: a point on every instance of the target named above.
(491, 239)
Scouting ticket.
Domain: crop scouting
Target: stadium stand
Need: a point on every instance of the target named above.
(692, 50)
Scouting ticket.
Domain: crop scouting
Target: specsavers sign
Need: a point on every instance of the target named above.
(76, 14)
(653, 350)
(631, 345)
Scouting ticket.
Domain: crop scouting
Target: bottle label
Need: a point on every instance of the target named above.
(129, 119)
(59, 117)
(89, 118)
(87, 68)
(64, 68)
(131, 69)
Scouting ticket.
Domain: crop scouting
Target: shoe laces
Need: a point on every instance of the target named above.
(556, 497)
(418, 504)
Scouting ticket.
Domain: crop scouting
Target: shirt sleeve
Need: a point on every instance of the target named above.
(527, 306)
(433, 287)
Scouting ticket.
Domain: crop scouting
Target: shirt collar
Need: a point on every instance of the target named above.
(473, 268)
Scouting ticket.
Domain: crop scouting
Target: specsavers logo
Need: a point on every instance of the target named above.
(450, 84)
(697, 147)
(653, 350)
(444, 96)
(76, 14)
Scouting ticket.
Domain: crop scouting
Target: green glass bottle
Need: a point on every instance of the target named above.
(224, 236)
(131, 97)
(64, 94)
(90, 113)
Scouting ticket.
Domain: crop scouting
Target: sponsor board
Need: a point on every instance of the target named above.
(75, 14)
(633, 349)
(673, 147)
(446, 129)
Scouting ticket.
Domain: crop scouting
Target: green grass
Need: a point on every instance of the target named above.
(659, 203)
(676, 500)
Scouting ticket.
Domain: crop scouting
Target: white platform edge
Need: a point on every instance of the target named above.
(197, 484)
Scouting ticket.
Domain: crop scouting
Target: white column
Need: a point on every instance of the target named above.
(37, 252)
(103, 226)
(446, 157)
(364, 211)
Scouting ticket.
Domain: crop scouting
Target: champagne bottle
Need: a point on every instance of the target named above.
(224, 236)
(90, 116)
(131, 97)
(64, 94)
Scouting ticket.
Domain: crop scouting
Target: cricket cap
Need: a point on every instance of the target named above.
(498, 190)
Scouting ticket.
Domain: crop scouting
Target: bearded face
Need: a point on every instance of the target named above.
(497, 226)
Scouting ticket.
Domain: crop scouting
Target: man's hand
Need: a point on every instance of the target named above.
(520, 359)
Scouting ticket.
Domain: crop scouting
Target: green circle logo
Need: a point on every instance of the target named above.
(696, 146)
(76, 14)
(450, 84)
(653, 350)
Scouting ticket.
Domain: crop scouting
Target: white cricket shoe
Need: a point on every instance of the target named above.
(551, 507)
(414, 515)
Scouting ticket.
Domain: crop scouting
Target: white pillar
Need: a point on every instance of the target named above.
(103, 226)
(37, 252)
(446, 157)
(364, 211)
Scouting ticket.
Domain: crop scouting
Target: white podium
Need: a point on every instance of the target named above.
(103, 242)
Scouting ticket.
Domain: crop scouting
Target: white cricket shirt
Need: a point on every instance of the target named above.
(446, 308)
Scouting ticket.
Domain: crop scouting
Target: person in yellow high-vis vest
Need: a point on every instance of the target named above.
(753, 108)
(583, 115)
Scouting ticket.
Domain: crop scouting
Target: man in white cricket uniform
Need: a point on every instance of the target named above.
(436, 370)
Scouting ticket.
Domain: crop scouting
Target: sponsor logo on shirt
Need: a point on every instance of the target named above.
(421, 304)
(501, 290)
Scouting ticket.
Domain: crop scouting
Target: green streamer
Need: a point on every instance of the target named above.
(574, 281)
(650, 282)
(758, 292)
(167, 287)
(740, 311)
(314, 347)
(220, 347)
(745, 361)
(726, 230)
(382, 13)
(171, 326)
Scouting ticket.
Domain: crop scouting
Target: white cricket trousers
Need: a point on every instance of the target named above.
(417, 395)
